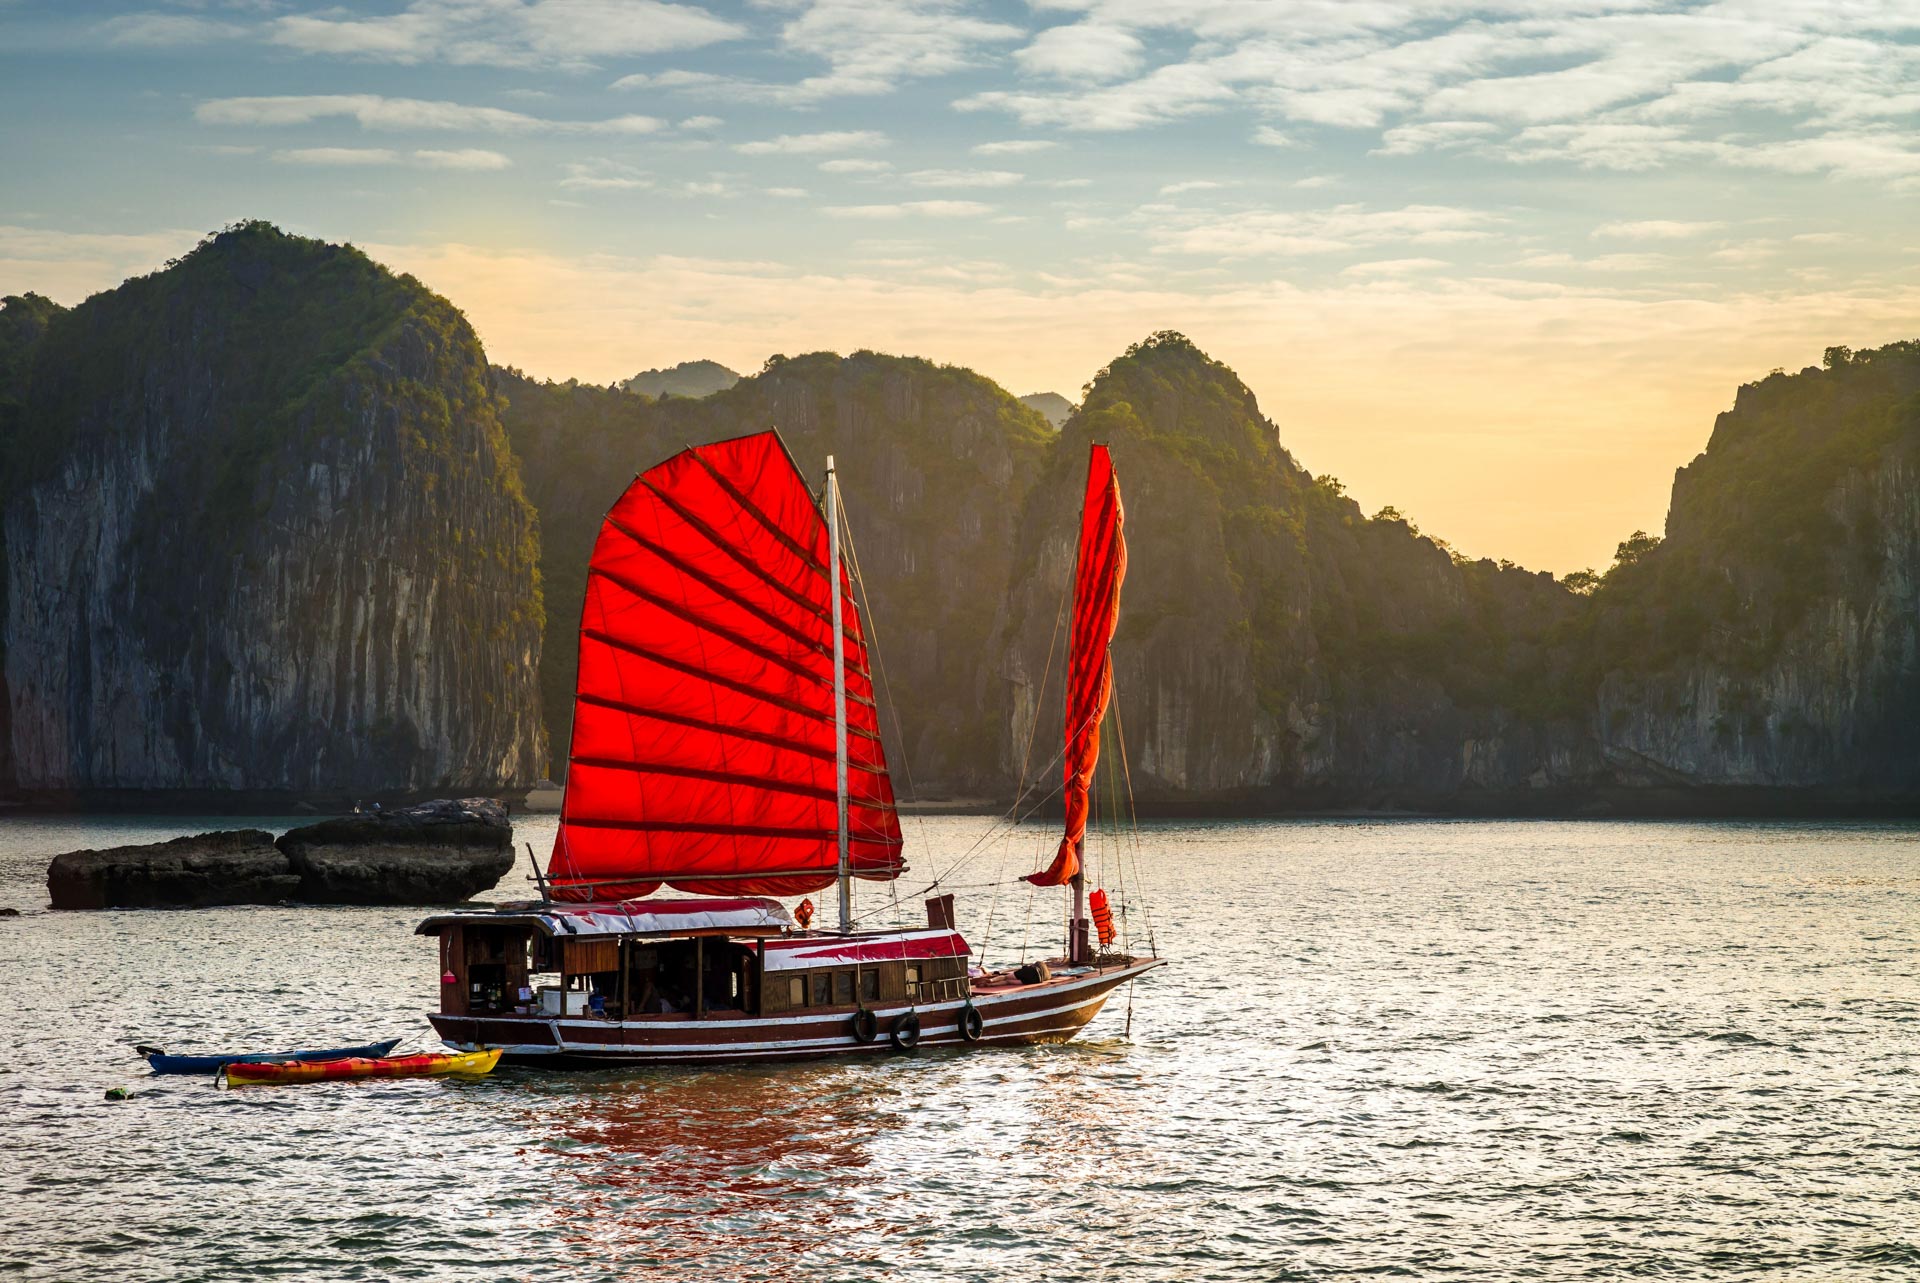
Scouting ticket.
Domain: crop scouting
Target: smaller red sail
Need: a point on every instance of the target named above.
(1098, 570)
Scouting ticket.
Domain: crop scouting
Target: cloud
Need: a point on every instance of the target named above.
(924, 208)
(693, 124)
(507, 33)
(1014, 147)
(965, 178)
(1191, 185)
(814, 144)
(1393, 267)
(1166, 93)
(603, 175)
(1268, 136)
(1615, 84)
(851, 166)
(167, 30)
(1260, 233)
(468, 158)
(372, 111)
(870, 47)
(338, 156)
(786, 193)
(1083, 51)
(1745, 254)
(475, 158)
(1656, 229)
(1433, 135)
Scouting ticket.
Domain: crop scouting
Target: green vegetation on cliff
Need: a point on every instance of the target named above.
(1270, 630)
(933, 461)
(304, 555)
(1763, 527)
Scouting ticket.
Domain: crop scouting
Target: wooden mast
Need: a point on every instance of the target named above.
(839, 700)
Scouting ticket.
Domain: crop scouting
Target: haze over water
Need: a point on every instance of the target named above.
(1465, 1049)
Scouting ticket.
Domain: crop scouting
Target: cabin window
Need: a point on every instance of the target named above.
(870, 986)
(823, 988)
(843, 988)
(797, 991)
(913, 984)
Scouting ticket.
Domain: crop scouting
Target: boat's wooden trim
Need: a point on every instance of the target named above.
(1052, 1011)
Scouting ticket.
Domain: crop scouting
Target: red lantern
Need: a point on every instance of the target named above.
(803, 913)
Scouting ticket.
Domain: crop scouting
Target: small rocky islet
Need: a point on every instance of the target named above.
(439, 852)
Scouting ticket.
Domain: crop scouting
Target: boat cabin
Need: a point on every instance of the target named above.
(680, 959)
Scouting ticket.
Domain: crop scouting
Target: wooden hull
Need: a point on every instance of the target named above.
(1051, 1012)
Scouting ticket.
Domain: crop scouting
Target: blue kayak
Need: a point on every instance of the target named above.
(164, 1064)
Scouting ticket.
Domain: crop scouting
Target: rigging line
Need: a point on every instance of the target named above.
(872, 642)
(870, 645)
(1010, 822)
(993, 905)
(1040, 697)
(1133, 816)
(1026, 759)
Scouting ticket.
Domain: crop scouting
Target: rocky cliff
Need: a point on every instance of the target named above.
(933, 462)
(1772, 640)
(23, 322)
(1278, 648)
(264, 531)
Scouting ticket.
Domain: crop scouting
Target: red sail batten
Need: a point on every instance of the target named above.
(1098, 571)
(703, 747)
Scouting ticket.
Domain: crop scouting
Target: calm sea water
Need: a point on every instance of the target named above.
(1434, 1049)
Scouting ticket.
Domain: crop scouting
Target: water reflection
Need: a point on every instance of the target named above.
(734, 1172)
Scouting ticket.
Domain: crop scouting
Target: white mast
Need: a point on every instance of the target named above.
(839, 698)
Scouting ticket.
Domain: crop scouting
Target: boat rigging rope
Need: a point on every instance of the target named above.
(1134, 815)
(879, 663)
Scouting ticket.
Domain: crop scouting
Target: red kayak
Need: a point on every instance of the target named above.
(425, 1065)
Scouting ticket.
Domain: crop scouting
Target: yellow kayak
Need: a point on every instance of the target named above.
(428, 1064)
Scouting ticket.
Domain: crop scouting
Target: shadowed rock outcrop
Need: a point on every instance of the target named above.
(238, 867)
(440, 852)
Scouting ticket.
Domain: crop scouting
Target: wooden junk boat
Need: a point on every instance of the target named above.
(726, 744)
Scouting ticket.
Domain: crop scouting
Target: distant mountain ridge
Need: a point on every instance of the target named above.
(1051, 405)
(272, 522)
(687, 379)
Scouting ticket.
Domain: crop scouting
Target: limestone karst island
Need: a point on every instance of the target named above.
(959, 641)
(276, 529)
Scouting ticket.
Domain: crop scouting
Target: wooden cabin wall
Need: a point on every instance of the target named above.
(453, 962)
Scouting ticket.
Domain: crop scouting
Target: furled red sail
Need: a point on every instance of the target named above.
(703, 740)
(1098, 570)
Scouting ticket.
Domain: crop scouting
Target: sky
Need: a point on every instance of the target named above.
(1498, 264)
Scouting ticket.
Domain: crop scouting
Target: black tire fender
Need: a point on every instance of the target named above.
(905, 1033)
(864, 1025)
(972, 1023)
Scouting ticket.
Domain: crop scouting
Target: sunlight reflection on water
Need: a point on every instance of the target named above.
(1491, 1049)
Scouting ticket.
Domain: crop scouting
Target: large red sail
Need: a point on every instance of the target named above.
(1098, 570)
(703, 740)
